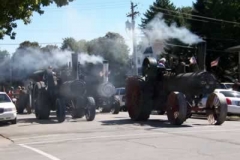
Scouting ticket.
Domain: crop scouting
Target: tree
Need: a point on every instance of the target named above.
(49, 48)
(28, 44)
(13, 10)
(155, 8)
(4, 54)
(220, 35)
(74, 45)
(171, 14)
(112, 48)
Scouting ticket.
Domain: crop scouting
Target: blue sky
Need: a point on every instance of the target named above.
(80, 20)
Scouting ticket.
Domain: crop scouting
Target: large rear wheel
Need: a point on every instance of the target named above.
(138, 99)
(42, 110)
(176, 108)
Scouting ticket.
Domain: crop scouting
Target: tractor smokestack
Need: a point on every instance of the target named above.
(75, 65)
(105, 71)
(201, 55)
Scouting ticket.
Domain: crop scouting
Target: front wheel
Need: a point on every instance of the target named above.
(176, 108)
(90, 110)
(115, 107)
(14, 121)
(216, 108)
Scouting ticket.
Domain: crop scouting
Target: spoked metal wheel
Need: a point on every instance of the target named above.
(176, 108)
(216, 109)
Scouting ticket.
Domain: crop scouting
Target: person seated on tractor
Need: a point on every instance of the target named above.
(161, 63)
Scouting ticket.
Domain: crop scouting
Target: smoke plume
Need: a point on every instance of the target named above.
(26, 61)
(158, 30)
(84, 58)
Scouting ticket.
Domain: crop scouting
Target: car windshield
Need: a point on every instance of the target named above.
(122, 91)
(4, 98)
(228, 85)
(230, 93)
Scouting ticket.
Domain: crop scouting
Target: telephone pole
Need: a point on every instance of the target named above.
(132, 27)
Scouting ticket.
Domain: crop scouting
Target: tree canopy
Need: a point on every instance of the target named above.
(221, 35)
(13, 10)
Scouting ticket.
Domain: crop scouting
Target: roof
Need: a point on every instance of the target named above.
(148, 50)
(233, 49)
(3, 93)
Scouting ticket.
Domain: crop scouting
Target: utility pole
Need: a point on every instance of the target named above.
(132, 27)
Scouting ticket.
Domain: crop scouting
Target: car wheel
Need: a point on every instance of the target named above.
(14, 121)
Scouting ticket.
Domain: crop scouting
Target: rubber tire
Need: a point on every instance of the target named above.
(179, 100)
(42, 110)
(14, 121)
(115, 109)
(61, 114)
(78, 112)
(142, 111)
(90, 110)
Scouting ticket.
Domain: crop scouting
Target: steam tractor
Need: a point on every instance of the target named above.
(100, 88)
(175, 93)
(61, 91)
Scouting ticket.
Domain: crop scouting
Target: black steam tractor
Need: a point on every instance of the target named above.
(61, 91)
(176, 93)
(100, 88)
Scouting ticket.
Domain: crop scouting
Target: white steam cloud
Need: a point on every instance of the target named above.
(28, 60)
(158, 30)
(84, 58)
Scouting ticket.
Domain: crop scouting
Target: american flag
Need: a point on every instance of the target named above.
(215, 62)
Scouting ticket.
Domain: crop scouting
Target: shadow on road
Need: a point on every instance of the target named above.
(151, 123)
(51, 120)
(4, 124)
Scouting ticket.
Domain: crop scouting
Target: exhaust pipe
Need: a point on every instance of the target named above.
(105, 71)
(201, 55)
(75, 65)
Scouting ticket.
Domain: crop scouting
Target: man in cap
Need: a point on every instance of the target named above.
(161, 62)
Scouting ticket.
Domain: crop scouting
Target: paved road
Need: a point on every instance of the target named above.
(116, 137)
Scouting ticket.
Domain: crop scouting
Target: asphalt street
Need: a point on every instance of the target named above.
(116, 137)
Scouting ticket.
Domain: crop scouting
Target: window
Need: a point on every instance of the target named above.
(122, 91)
(230, 93)
(4, 98)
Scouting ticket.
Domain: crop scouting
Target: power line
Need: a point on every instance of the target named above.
(203, 17)
(16, 44)
(186, 18)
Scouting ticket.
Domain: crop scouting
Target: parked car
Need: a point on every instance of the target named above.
(120, 93)
(8, 112)
(232, 99)
(227, 85)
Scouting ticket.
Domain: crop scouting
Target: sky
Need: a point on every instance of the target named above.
(80, 19)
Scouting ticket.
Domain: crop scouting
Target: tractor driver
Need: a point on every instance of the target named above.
(161, 63)
(49, 77)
